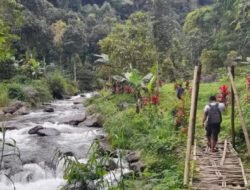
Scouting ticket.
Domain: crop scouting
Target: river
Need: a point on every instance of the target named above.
(36, 170)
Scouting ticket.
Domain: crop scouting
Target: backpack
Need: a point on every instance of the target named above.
(214, 114)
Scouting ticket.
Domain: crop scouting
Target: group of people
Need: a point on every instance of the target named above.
(212, 118)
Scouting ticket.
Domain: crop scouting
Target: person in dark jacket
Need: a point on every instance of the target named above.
(179, 91)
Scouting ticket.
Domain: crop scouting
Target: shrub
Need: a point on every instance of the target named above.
(71, 88)
(57, 85)
(21, 79)
(4, 98)
(15, 92)
(43, 90)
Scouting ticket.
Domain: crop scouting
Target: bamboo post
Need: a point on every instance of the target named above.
(191, 124)
(196, 102)
(243, 122)
(232, 110)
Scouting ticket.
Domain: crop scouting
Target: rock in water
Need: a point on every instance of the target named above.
(73, 119)
(13, 107)
(110, 165)
(48, 109)
(95, 120)
(22, 111)
(34, 130)
(48, 132)
(79, 100)
(104, 146)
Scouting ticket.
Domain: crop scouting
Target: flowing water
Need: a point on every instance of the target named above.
(36, 170)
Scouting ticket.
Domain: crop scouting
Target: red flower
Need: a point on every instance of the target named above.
(223, 93)
(248, 79)
(224, 89)
(155, 100)
(180, 113)
(127, 89)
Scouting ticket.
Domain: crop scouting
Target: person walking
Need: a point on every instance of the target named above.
(211, 121)
(179, 91)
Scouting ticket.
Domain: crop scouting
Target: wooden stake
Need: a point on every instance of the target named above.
(243, 173)
(196, 101)
(242, 120)
(191, 124)
(232, 110)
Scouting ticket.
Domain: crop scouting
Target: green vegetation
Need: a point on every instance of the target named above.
(152, 131)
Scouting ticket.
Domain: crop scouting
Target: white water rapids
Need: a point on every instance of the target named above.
(36, 171)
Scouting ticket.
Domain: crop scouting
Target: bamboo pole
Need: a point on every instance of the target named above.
(196, 102)
(242, 120)
(191, 125)
(232, 110)
(224, 153)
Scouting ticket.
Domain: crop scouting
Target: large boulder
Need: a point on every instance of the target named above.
(95, 120)
(48, 132)
(22, 111)
(34, 130)
(73, 119)
(13, 107)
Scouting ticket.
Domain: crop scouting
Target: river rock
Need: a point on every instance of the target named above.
(10, 128)
(68, 153)
(48, 109)
(34, 130)
(78, 100)
(48, 132)
(137, 167)
(73, 119)
(103, 145)
(95, 120)
(111, 165)
(13, 107)
(22, 111)
(1, 113)
(133, 156)
(66, 97)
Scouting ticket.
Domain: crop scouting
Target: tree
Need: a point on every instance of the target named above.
(131, 43)
(58, 29)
